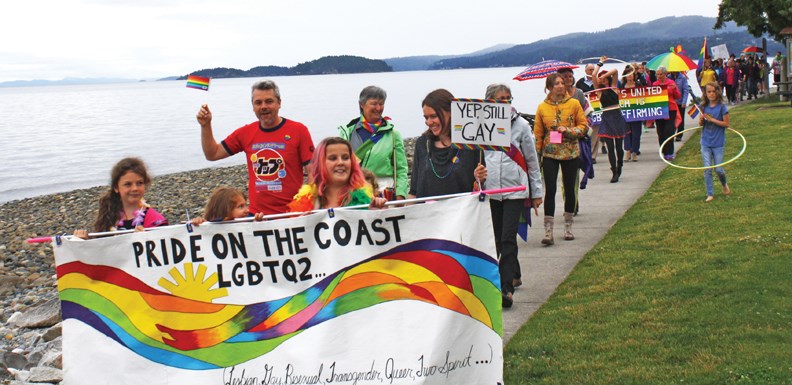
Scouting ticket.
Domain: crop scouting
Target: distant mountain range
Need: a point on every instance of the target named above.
(629, 42)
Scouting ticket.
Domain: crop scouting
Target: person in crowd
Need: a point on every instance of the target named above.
(651, 75)
(762, 75)
(276, 150)
(438, 168)
(742, 64)
(632, 141)
(714, 118)
(585, 83)
(517, 167)
(732, 80)
(641, 79)
(335, 180)
(560, 123)
(585, 162)
(707, 73)
(613, 127)
(751, 78)
(377, 144)
(680, 78)
(665, 127)
(777, 67)
(123, 206)
(371, 179)
(226, 204)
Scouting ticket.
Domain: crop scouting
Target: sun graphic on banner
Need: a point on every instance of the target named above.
(193, 286)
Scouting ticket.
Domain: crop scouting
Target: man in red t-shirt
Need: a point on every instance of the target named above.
(276, 150)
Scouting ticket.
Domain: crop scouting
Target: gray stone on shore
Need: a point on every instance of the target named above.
(42, 374)
(44, 315)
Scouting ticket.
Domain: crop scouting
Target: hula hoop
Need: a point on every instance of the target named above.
(596, 58)
(660, 150)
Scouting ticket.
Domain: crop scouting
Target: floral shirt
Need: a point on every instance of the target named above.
(549, 116)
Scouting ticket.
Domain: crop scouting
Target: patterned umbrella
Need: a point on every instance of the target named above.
(543, 69)
(672, 61)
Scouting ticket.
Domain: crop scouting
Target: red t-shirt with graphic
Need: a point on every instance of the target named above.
(275, 159)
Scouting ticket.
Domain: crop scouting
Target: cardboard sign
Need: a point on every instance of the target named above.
(720, 52)
(481, 124)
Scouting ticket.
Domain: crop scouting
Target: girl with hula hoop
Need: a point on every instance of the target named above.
(714, 119)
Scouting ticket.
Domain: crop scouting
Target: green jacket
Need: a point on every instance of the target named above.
(380, 158)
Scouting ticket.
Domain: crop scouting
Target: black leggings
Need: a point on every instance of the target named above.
(569, 170)
(665, 129)
(615, 151)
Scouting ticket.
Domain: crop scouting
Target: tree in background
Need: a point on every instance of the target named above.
(760, 16)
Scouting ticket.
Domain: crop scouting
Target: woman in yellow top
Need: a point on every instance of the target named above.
(707, 74)
(560, 123)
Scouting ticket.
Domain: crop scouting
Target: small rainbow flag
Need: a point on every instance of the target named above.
(198, 82)
(693, 111)
(501, 131)
(457, 127)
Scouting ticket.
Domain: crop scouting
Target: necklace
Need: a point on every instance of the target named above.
(454, 161)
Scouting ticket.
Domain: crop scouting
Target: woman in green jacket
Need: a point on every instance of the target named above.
(378, 146)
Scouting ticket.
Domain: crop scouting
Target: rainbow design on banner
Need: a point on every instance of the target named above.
(638, 104)
(458, 127)
(198, 82)
(198, 335)
(501, 131)
(486, 147)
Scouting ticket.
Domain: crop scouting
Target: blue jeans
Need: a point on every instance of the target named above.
(632, 142)
(712, 156)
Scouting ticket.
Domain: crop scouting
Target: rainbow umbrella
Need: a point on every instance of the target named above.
(672, 61)
(753, 49)
(543, 69)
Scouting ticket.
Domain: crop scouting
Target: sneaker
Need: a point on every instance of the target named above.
(671, 157)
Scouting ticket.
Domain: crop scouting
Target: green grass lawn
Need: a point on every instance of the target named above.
(681, 291)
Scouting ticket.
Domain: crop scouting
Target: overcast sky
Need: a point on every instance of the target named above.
(143, 39)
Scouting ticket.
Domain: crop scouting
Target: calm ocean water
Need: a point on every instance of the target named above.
(60, 138)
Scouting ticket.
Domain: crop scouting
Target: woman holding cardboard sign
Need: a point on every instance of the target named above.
(438, 168)
(560, 123)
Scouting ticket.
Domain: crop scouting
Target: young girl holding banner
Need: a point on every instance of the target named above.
(334, 180)
(122, 207)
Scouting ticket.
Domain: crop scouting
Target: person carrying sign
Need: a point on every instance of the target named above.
(377, 144)
(517, 167)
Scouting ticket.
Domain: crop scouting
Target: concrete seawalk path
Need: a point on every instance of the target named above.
(601, 204)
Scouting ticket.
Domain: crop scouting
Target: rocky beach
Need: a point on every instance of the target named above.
(30, 350)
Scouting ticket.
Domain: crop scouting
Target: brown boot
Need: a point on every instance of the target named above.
(548, 238)
(568, 236)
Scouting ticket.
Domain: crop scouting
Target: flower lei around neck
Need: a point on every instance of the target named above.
(140, 216)
(308, 195)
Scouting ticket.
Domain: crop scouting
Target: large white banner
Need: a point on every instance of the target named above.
(398, 296)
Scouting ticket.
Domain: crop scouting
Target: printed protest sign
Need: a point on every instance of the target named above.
(636, 104)
(399, 296)
(481, 124)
